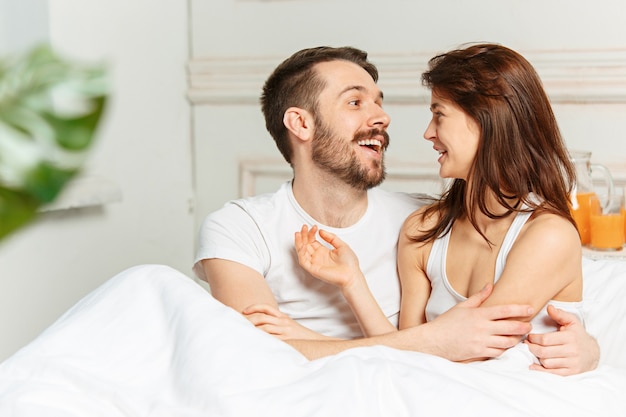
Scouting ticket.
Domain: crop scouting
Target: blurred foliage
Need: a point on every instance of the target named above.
(50, 108)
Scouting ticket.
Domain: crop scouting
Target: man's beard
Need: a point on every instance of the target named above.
(336, 156)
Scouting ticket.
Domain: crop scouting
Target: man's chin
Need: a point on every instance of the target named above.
(373, 181)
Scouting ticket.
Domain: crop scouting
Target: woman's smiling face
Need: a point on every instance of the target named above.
(454, 135)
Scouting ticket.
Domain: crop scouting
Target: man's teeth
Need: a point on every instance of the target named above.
(370, 142)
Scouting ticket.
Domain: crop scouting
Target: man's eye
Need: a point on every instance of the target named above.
(354, 102)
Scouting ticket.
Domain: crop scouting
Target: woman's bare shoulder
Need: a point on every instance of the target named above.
(420, 220)
(552, 230)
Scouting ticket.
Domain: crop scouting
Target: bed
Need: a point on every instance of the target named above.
(153, 342)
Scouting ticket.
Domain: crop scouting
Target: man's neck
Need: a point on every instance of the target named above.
(329, 200)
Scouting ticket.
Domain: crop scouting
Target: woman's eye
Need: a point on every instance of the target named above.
(354, 102)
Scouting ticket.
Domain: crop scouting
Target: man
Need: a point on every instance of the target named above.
(324, 110)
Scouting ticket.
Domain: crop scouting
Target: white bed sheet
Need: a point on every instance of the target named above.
(152, 342)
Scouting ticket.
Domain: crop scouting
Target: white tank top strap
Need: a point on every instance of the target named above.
(509, 239)
(438, 252)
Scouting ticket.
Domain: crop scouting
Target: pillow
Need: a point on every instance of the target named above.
(604, 296)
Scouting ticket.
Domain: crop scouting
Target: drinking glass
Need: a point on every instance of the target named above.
(607, 226)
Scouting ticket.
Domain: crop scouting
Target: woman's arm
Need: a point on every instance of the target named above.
(273, 321)
(415, 285)
(543, 264)
(340, 266)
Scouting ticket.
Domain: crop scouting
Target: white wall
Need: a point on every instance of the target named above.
(143, 148)
(22, 22)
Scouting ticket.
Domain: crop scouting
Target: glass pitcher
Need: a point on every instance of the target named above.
(584, 199)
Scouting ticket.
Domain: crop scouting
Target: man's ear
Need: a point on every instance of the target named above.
(299, 122)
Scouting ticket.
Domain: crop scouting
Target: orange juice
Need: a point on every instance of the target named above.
(607, 231)
(582, 213)
(622, 210)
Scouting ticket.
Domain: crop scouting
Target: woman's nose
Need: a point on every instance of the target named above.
(430, 132)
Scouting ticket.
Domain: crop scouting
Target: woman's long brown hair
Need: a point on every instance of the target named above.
(521, 150)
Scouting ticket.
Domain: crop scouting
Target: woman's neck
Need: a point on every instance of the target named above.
(496, 208)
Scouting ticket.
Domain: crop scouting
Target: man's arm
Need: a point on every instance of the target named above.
(246, 291)
(237, 285)
(462, 333)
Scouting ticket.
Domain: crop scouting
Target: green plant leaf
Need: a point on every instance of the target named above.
(16, 210)
(45, 182)
(50, 108)
(77, 133)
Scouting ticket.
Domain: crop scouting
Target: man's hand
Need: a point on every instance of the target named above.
(467, 332)
(275, 322)
(569, 351)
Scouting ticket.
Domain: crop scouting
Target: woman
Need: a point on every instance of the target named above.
(503, 220)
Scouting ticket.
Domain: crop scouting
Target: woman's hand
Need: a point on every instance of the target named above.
(275, 322)
(338, 266)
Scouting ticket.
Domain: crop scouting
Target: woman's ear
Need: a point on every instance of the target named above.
(299, 122)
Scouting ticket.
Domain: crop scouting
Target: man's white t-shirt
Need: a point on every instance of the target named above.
(258, 232)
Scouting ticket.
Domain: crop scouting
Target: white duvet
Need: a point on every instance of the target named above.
(152, 342)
